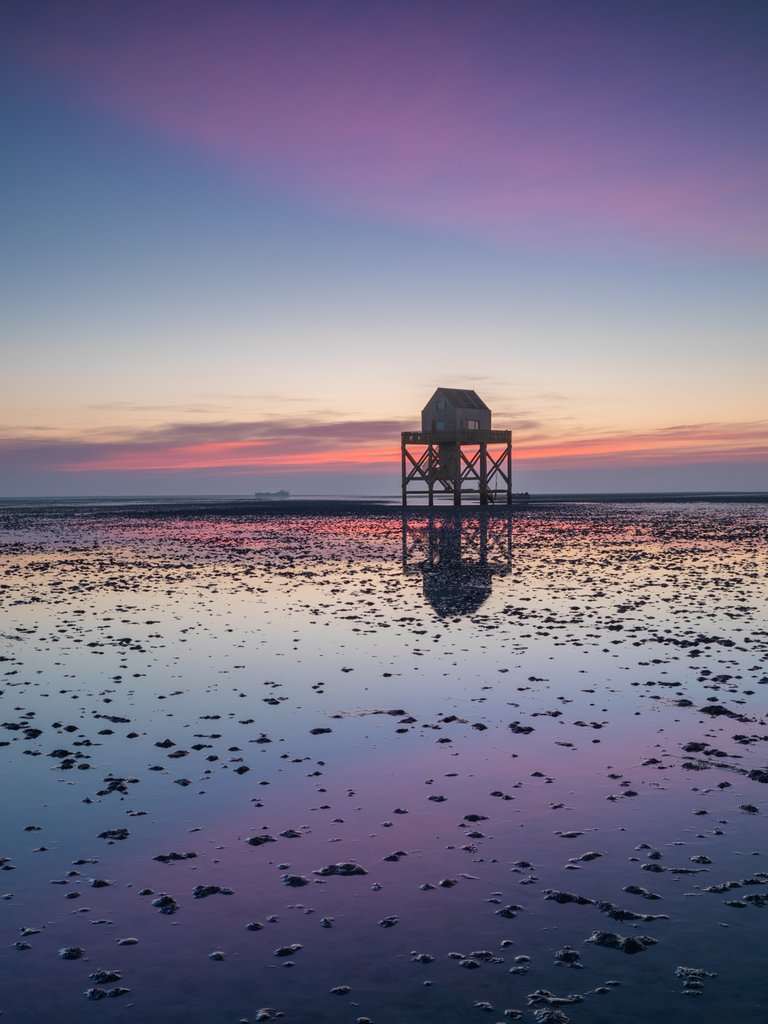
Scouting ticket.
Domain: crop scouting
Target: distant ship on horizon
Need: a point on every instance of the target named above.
(271, 494)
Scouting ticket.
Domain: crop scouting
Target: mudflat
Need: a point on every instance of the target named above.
(332, 763)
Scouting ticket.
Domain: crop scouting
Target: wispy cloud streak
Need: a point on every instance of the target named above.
(352, 445)
(529, 120)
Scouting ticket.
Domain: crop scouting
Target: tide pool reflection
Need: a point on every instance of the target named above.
(458, 556)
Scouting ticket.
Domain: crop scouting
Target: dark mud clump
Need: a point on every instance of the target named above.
(627, 944)
(201, 891)
(71, 953)
(165, 904)
(343, 868)
(169, 858)
(261, 840)
(114, 834)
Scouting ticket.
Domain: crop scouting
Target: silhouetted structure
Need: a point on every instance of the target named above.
(458, 557)
(456, 452)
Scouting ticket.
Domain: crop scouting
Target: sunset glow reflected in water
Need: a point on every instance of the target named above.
(490, 715)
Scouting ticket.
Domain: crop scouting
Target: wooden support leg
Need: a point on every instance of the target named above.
(509, 472)
(403, 474)
(483, 474)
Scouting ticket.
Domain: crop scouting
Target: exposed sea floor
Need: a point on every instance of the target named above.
(343, 767)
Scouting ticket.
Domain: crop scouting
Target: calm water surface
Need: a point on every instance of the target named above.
(488, 715)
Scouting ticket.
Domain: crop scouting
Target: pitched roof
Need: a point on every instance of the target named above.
(461, 398)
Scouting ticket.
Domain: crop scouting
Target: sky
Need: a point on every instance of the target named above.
(243, 241)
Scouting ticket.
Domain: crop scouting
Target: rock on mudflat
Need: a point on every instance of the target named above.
(509, 911)
(694, 972)
(627, 944)
(693, 978)
(105, 977)
(543, 997)
(549, 1015)
(638, 890)
(757, 899)
(295, 881)
(569, 956)
(520, 730)
(287, 950)
(343, 868)
(260, 840)
(114, 833)
(618, 914)
(165, 904)
(201, 891)
(71, 953)
(96, 993)
(566, 897)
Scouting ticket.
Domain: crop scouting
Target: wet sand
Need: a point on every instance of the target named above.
(314, 762)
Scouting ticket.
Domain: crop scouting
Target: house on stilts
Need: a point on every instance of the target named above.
(457, 454)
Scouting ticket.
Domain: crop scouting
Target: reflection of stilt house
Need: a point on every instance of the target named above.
(458, 557)
(456, 453)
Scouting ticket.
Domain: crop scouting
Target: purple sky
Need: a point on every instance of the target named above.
(307, 215)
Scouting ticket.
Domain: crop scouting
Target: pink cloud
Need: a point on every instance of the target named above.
(505, 120)
(685, 444)
(234, 448)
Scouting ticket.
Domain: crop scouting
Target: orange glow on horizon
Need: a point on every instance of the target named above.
(648, 449)
(742, 442)
(230, 455)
